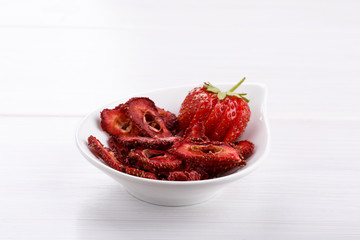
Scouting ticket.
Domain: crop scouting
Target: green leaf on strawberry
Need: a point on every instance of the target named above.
(222, 95)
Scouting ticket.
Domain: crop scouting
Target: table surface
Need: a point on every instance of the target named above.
(60, 60)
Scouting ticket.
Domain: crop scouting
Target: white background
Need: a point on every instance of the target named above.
(60, 60)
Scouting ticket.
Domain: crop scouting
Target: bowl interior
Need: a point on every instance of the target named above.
(257, 130)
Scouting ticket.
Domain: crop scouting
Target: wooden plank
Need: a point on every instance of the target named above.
(308, 186)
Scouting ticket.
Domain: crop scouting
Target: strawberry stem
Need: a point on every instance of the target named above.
(222, 95)
(237, 85)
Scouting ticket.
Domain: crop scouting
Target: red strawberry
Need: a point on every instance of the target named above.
(225, 114)
(196, 107)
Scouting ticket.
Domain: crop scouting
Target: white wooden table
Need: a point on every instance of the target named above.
(61, 59)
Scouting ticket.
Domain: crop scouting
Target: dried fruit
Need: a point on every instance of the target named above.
(105, 154)
(245, 148)
(144, 114)
(140, 173)
(196, 133)
(155, 161)
(147, 142)
(211, 155)
(116, 122)
(119, 149)
(141, 140)
(170, 119)
(184, 176)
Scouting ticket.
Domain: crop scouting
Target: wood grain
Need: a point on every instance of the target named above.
(76, 56)
(59, 60)
(308, 187)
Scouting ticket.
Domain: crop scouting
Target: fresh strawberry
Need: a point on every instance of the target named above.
(225, 114)
(196, 107)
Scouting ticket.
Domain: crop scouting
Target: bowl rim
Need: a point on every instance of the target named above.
(228, 178)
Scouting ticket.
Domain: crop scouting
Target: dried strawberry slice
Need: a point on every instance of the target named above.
(146, 117)
(209, 154)
(105, 154)
(140, 173)
(120, 150)
(116, 122)
(147, 142)
(184, 176)
(244, 147)
(153, 160)
(196, 133)
(170, 119)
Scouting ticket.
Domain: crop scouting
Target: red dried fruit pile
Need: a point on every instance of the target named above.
(150, 142)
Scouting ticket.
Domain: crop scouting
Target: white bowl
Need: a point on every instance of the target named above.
(176, 193)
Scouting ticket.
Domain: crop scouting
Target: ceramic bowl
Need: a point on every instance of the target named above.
(176, 193)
